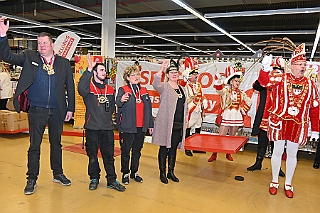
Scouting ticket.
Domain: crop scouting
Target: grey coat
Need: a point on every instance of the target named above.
(164, 120)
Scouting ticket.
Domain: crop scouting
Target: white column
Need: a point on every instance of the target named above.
(108, 31)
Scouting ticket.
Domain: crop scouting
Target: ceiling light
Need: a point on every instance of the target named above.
(263, 12)
(73, 7)
(200, 16)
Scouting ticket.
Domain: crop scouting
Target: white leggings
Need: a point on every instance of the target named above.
(291, 162)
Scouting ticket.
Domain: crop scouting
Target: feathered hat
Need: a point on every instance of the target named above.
(279, 63)
(188, 64)
(231, 72)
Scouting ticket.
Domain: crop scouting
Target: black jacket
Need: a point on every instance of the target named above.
(30, 60)
(262, 104)
(98, 116)
(126, 119)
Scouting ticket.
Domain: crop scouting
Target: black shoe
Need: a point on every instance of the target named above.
(136, 177)
(117, 186)
(29, 189)
(255, 166)
(281, 173)
(93, 184)
(62, 179)
(316, 165)
(125, 179)
(188, 153)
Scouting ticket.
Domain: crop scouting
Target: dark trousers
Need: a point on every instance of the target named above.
(3, 104)
(317, 158)
(39, 117)
(103, 139)
(176, 138)
(131, 142)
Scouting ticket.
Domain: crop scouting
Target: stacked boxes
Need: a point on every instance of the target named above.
(11, 122)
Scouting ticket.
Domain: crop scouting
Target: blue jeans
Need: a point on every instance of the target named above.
(103, 139)
(39, 118)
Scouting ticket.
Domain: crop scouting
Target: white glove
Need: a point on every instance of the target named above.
(185, 73)
(266, 63)
(242, 111)
(314, 136)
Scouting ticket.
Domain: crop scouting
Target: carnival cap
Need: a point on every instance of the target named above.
(231, 72)
(299, 54)
(173, 66)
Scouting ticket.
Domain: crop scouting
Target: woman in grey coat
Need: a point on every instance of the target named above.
(170, 125)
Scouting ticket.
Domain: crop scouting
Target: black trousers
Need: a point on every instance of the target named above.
(317, 158)
(176, 138)
(131, 142)
(39, 117)
(103, 139)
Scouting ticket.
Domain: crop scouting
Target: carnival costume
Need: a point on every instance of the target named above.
(197, 102)
(294, 104)
(234, 102)
(261, 117)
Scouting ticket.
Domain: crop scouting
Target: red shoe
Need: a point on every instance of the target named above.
(213, 157)
(229, 157)
(288, 189)
(273, 188)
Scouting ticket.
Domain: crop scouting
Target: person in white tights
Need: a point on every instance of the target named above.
(295, 103)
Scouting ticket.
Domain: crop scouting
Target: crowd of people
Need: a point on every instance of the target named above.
(287, 114)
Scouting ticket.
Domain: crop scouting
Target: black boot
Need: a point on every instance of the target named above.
(171, 164)
(262, 147)
(257, 165)
(162, 168)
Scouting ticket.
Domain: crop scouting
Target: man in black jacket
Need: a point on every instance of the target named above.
(47, 77)
(99, 99)
(259, 125)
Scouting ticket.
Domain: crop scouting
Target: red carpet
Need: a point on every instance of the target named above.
(77, 148)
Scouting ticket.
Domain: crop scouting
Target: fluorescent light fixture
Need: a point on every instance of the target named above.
(73, 7)
(200, 16)
(263, 12)
(154, 18)
(316, 41)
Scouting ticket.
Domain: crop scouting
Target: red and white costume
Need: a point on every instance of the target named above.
(197, 102)
(292, 104)
(234, 102)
